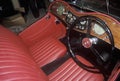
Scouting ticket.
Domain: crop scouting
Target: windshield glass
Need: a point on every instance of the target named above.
(110, 7)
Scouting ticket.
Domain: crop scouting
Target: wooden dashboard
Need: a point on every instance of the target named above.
(61, 10)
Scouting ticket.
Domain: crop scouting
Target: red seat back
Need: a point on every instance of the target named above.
(15, 60)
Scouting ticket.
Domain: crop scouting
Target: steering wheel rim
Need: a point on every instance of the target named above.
(107, 31)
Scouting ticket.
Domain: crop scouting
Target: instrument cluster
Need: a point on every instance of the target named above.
(63, 12)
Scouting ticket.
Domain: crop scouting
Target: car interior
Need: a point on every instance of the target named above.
(67, 44)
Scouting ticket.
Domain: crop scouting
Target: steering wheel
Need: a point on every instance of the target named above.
(85, 41)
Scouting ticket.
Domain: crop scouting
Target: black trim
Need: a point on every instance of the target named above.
(51, 67)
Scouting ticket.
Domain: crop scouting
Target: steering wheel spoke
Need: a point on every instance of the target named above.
(88, 25)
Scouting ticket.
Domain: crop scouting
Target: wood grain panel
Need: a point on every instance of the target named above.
(113, 24)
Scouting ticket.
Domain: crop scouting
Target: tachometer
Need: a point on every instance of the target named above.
(98, 29)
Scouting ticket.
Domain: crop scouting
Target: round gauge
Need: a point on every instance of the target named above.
(60, 10)
(98, 29)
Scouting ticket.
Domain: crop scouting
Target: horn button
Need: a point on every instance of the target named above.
(86, 42)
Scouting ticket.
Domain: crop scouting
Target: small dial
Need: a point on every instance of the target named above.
(60, 10)
(69, 15)
(70, 18)
(83, 22)
(81, 25)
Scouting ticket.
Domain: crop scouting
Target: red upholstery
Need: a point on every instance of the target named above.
(17, 60)
(70, 71)
(42, 39)
(47, 51)
(43, 28)
(16, 64)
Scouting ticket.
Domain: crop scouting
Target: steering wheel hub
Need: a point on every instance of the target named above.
(86, 42)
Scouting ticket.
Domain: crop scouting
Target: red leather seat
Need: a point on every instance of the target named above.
(42, 39)
(16, 63)
(70, 71)
(19, 62)
(47, 50)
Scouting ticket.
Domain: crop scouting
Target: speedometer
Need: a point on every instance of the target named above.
(98, 29)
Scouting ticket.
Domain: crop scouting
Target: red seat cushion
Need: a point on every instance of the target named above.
(42, 39)
(47, 50)
(70, 71)
(43, 28)
(16, 64)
